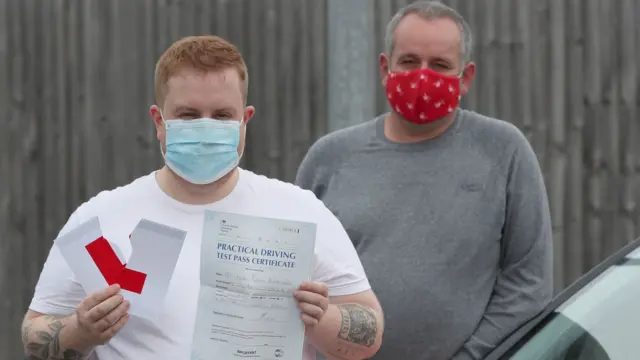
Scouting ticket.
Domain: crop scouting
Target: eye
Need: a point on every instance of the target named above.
(187, 115)
(223, 115)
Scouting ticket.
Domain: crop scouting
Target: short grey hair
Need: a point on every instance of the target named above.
(431, 10)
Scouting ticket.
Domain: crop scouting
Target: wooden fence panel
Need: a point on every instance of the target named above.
(76, 82)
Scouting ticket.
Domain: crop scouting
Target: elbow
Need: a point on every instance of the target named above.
(373, 349)
(378, 328)
(27, 324)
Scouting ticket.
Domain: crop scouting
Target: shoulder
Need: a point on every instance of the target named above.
(267, 187)
(506, 144)
(290, 200)
(495, 137)
(111, 200)
(328, 152)
(344, 140)
(491, 130)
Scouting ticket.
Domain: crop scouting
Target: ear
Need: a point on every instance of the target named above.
(468, 74)
(249, 111)
(156, 117)
(384, 68)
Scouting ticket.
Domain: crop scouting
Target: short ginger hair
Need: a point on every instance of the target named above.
(205, 53)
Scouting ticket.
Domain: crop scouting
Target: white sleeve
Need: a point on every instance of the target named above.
(57, 291)
(336, 262)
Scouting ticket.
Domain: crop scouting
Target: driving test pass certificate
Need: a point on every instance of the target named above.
(249, 268)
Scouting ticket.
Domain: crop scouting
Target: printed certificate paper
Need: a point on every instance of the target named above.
(249, 268)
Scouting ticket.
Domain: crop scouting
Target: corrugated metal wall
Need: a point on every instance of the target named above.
(76, 83)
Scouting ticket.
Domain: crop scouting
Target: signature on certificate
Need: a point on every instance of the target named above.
(266, 317)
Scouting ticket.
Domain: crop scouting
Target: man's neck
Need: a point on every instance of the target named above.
(400, 130)
(187, 193)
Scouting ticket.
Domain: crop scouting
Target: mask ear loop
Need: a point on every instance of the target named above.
(461, 76)
(165, 135)
(244, 128)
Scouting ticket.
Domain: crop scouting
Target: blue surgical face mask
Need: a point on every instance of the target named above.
(202, 151)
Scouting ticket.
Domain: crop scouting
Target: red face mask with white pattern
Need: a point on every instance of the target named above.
(422, 96)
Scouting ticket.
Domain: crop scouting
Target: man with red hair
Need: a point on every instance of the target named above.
(200, 118)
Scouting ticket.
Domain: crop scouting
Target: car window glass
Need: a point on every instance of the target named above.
(600, 322)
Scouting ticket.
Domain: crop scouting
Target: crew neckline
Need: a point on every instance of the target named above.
(444, 137)
(191, 208)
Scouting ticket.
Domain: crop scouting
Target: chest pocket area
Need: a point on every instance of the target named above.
(477, 206)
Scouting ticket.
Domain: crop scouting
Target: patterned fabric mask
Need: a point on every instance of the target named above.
(422, 96)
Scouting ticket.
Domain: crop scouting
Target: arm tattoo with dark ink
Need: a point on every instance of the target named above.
(45, 345)
(359, 324)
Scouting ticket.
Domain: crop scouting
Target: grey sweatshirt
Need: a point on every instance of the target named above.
(454, 233)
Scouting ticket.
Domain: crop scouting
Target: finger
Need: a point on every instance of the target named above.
(311, 310)
(315, 287)
(113, 330)
(111, 318)
(101, 310)
(311, 298)
(308, 320)
(98, 297)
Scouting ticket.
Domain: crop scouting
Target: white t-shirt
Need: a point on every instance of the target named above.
(170, 337)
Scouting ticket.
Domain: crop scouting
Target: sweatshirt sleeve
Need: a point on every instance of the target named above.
(525, 282)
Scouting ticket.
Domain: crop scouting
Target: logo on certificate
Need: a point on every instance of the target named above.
(278, 353)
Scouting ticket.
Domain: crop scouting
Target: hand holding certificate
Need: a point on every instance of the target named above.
(313, 300)
(250, 269)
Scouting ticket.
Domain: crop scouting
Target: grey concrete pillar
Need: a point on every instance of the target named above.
(352, 62)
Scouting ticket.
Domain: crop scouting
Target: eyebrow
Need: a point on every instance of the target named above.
(190, 109)
(185, 109)
(436, 58)
(440, 58)
(407, 55)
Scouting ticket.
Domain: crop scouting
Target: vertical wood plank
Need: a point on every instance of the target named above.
(574, 236)
(6, 302)
(319, 66)
(288, 67)
(629, 83)
(301, 120)
(611, 132)
(557, 139)
(595, 119)
(523, 63)
(76, 68)
(488, 71)
(256, 49)
(17, 127)
(270, 161)
(58, 172)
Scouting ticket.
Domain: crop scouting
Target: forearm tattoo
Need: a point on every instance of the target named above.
(45, 344)
(359, 324)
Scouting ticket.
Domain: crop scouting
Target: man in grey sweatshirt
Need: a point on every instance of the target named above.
(447, 208)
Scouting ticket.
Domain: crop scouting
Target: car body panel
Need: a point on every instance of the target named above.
(569, 322)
